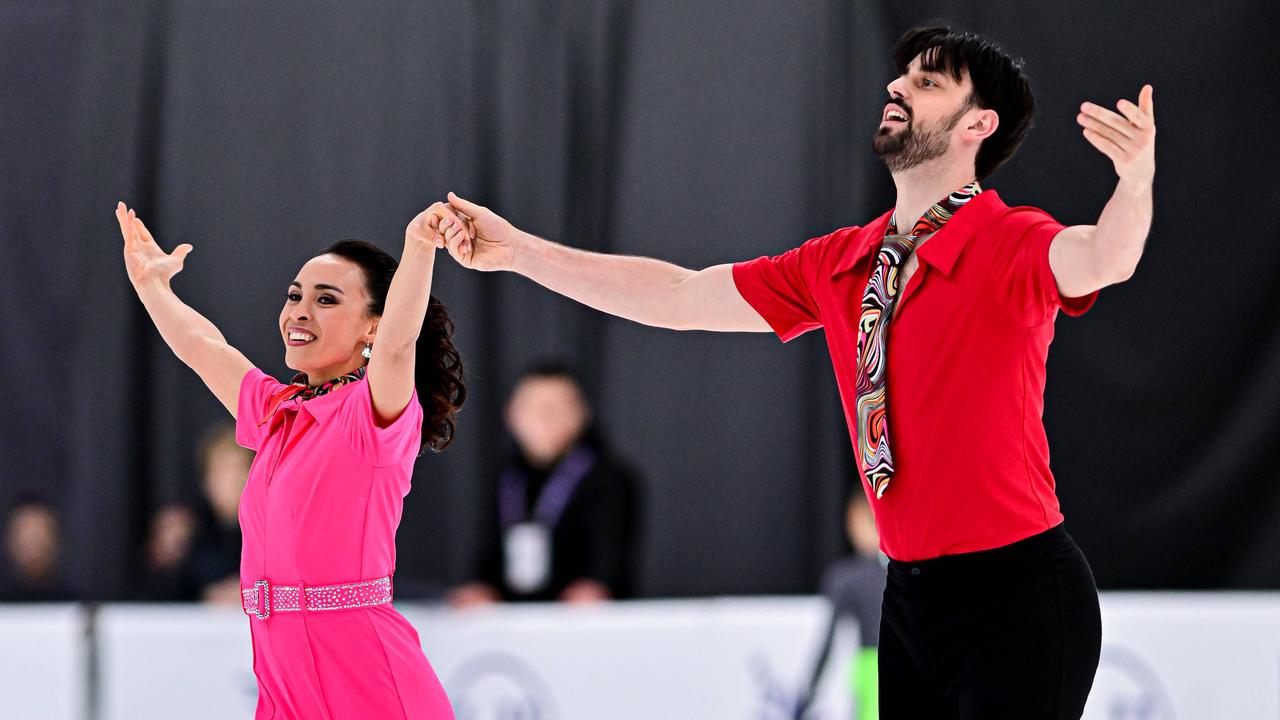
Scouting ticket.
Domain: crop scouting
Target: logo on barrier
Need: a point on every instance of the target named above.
(1127, 688)
(499, 686)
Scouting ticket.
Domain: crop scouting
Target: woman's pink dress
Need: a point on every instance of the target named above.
(321, 507)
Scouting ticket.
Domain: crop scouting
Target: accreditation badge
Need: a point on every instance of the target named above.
(528, 554)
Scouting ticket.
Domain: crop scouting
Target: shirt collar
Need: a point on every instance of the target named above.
(940, 251)
(323, 407)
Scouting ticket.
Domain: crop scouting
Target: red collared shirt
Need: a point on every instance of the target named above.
(966, 372)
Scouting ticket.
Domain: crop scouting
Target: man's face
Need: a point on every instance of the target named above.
(547, 415)
(920, 121)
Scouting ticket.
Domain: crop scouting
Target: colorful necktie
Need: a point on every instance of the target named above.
(878, 302)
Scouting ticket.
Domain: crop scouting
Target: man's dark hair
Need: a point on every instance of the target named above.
(999, 83)
(549, 369)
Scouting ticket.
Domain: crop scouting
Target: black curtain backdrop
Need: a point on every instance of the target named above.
(694, 132)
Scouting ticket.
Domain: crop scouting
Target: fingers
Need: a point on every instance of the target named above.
(465, 206)
(1140, 118)
(438, 212)
(143, 233)
(458, 245)
(453, 229)
(181, 252)
(1103, 130)
(435, 220)
(126, 226)
(1146, 101)
(1118, 124)
(1104, 145)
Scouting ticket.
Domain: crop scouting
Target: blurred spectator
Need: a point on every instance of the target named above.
(194, 553)
(166, 555)
(560, 521)
(224, 467)
(854, 585)
(33, 547)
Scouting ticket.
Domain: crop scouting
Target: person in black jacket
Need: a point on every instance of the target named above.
(560, 520)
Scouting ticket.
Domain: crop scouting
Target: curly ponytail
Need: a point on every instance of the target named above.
(438, 367)
(438, 376)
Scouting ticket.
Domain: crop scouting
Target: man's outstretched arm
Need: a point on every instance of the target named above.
(1085, 258)
(647, 291)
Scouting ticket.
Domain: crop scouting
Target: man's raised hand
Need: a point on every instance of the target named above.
(1127, 138)
(483, 240)
(143, 258)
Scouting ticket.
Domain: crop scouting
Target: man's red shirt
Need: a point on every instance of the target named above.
(966, 368)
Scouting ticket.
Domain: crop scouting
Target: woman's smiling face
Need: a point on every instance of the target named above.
(325, 321)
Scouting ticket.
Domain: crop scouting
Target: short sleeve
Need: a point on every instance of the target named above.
(1026, 280)
(256, 389)
(781, 288)
(375, 445)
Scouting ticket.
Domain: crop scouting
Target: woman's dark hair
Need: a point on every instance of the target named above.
(438, 371)
(999, 83)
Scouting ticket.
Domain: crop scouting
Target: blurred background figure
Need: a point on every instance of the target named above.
(854, 585)
(33, 545)
(165, 572)
(193, 552)
(224, 468)
(560, 522)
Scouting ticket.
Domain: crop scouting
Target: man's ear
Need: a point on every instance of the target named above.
(983, 124)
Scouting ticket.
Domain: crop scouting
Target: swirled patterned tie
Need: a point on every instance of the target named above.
(878, 302)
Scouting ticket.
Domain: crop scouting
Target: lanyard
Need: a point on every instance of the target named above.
(513, 490)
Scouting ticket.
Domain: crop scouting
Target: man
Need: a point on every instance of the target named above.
(990, 610)
(561, 518)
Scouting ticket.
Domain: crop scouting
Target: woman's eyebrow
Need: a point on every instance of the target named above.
(319, 286)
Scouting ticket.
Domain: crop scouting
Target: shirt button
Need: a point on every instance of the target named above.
(915, 571)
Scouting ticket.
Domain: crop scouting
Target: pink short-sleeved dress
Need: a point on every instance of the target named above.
(321, 507)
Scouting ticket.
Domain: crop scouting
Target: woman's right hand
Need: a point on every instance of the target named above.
(485, 241)
(143, 258)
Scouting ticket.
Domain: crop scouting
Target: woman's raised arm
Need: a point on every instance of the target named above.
(189, 334)
(391, 367)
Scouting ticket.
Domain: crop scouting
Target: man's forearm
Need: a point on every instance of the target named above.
(1122, 229)
(636, 288)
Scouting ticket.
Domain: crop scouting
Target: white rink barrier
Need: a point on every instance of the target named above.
(44, 662)
(1191, 656)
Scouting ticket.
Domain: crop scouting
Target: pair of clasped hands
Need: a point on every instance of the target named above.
(475, 236)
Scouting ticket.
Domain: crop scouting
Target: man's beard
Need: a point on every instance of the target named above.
(909, 148)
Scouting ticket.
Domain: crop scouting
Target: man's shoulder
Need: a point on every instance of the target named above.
(996, 216)
(848, 239)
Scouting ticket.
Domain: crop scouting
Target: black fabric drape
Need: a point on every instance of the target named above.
(699, 133)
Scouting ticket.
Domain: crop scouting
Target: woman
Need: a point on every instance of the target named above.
(335, 451)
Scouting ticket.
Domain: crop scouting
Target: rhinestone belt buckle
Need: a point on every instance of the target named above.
(262, 593)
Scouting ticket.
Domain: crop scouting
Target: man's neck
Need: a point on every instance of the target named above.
(924, 185)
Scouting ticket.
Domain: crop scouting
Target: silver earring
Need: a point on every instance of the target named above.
(367, 352)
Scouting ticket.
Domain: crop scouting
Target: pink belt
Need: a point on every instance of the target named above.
(264, 598)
